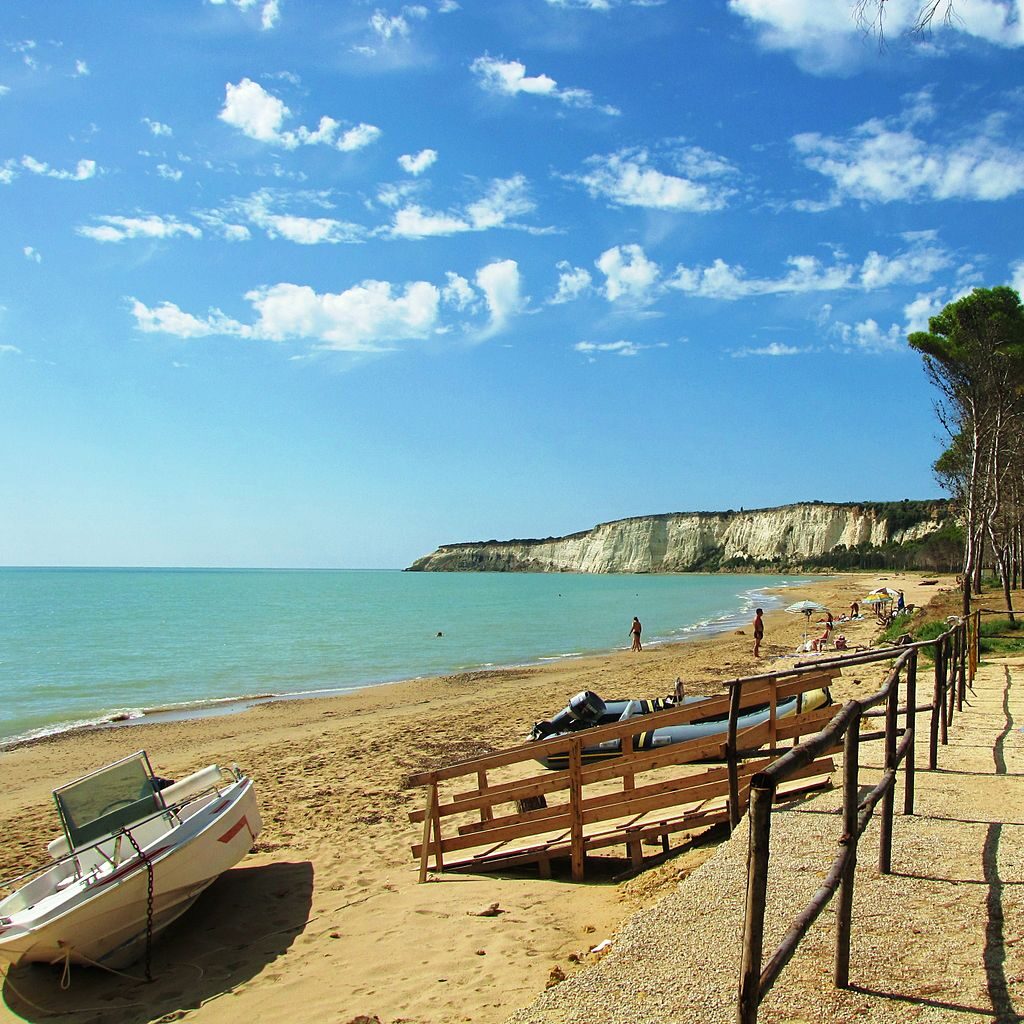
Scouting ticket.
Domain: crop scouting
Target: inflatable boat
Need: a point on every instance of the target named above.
(587, 711)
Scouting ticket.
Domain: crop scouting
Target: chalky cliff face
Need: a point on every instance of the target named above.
(684, 541)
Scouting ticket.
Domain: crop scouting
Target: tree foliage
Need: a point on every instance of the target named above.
(973, 353)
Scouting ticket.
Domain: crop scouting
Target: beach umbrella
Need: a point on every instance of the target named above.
(876, 599)
(885, 592)
(806, 608)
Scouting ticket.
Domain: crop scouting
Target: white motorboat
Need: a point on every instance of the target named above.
(132, 859)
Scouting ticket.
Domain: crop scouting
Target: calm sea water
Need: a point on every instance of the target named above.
(82, 646)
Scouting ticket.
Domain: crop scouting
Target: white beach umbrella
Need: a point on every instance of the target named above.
(806, 608)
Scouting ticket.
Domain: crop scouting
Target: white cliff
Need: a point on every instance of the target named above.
(685, 541)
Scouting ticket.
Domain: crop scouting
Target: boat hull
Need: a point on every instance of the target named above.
(101, 918)
(649, 739)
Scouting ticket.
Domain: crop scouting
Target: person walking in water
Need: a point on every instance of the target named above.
(758, 631)
(635, 633)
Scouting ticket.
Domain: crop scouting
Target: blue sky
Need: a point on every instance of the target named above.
(292, 283)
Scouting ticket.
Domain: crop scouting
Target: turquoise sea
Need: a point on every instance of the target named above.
(85, 646)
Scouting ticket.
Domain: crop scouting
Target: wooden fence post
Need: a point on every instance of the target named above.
(431, 824)
(576, 806)
(964, 645)
(851, 798)
(933, 726)
(950, 662)
(885, 824)
(735, 696)
(909, 766)
(760, 822)
(941, 677)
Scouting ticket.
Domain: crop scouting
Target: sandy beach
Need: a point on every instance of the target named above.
(326, 921)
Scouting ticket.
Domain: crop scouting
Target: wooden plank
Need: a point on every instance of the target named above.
(810, 721)
(429, 821)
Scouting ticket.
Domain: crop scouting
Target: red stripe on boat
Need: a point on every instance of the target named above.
(234, 830)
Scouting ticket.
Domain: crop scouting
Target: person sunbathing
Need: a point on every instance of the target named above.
(818, 644)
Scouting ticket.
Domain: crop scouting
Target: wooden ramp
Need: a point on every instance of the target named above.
(476, 816)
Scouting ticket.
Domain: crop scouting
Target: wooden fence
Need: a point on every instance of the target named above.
(625, 798)
(955, 661)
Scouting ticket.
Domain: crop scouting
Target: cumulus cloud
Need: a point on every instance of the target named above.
(32, 254)
(914, 265)
(882, 163)
(1017, 277)
(371, 316)
(81, 69)
(260, 115)
(617, 348)
(119, 229)
(824, 37)
(168, 172)
(500, 283)
(573, 282)
(626, 178)
(84, 169)
(505, 199)
(509, 78)
(417, 163)
(629, 275)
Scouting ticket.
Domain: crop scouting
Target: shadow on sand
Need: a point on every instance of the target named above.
(243, 922)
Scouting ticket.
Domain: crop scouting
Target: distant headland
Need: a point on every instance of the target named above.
(804, 536)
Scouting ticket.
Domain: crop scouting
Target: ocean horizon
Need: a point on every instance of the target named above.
(91, 646)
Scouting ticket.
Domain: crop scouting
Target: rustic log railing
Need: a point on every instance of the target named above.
(955, 663)
(609, 802)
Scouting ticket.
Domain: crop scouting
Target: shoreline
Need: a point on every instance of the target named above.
(210, 707)
(326, 919)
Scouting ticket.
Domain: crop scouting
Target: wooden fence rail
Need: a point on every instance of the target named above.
(489, 823)
(955, 662)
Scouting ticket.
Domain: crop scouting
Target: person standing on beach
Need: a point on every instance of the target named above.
(758, 631)
(635, 633)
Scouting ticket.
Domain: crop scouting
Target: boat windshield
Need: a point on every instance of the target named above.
(99, 804)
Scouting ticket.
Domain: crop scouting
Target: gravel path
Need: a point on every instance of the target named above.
(937, 940)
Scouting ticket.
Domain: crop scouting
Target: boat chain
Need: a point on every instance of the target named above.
(149, 901)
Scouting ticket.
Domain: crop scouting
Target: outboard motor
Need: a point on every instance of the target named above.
(582, 710)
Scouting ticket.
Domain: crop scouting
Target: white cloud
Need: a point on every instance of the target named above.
(260, 115)
(254, 111)
(500, 283)
(4, 90)
(417, 163)
(626, 178)
(914, 265)
(84, 169)
(81, 69)
(572, 283)
(358, 137)
(774, 348)
(157, 127)
(388, 26)
(1017, 277)
(168, 172)
(8, 172)
(118, 229)
(618, 348)
(167, 318)
(629, 274)
(504, 199)
(509, 78)
(458, 292)
(32, 254)
(448, 6)
(824, 36)
(270, 10)
(10, 350)
(415, 222)
(260, 209)
(878, 163)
